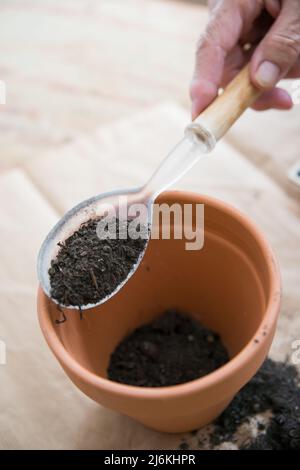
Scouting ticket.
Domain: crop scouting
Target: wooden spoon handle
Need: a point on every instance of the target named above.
(227, 107)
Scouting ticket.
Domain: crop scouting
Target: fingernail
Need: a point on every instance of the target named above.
(267, 74)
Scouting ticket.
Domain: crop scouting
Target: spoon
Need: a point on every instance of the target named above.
(200, 137)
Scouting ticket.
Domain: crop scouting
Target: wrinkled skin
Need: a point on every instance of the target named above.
(271, 27)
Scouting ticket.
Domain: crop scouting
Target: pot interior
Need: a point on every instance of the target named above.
(225, 285)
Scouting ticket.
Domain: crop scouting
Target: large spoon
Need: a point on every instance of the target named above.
(200, 137)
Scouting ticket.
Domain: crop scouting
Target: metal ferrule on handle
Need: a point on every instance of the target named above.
(222, 113)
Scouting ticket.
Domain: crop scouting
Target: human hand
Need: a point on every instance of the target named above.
(271, 27)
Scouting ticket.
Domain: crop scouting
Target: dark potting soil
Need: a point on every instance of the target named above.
(275, 389)
(88, 268)
(170, 350)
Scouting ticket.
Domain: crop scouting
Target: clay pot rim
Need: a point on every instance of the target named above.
(226, 371)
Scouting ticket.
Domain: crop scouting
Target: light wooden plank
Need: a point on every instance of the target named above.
(82, 64)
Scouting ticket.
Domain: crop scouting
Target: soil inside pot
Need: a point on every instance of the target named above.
(88, 268)
(172, 349)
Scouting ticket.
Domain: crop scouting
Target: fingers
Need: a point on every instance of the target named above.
(258, 29)
(219, 54)
(234, 61)
(294, 72)
(221, 35)
(203, 90)
(275, 98)
(279, 50)
(273, 7)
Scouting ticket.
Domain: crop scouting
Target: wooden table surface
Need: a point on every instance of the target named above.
(72, 65)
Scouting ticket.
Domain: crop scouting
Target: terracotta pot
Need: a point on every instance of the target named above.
(232, 285)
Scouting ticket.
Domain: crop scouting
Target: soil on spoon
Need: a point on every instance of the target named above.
(172, 349)
(88, 268)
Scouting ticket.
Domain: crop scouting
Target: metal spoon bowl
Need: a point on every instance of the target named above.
(91, 208)
(178, 162)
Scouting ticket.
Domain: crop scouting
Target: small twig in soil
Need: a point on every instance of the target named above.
(62, 314)
(94, 279)
(80, 313)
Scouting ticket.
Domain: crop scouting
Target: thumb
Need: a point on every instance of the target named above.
(280, 48)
